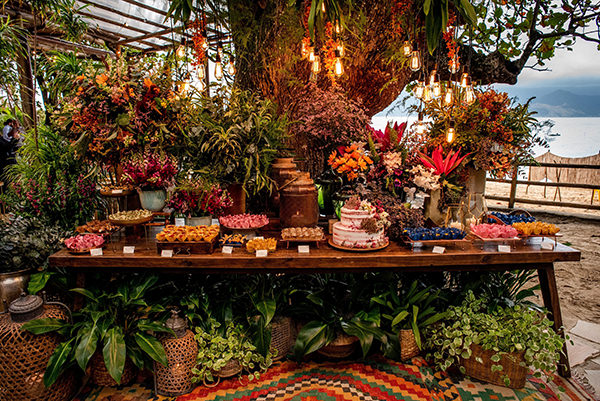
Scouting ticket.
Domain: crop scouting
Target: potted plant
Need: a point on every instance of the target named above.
(225, 351)
(152, 172)
(199, 201)
(408, 311)
(498, 346)
(335, 319)
(25, 245)
(111, 331)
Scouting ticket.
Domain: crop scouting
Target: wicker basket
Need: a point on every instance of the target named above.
(341, 347)
(230, 369)
(483, 370)
(100, 376)
(408, 345)
(282, 337)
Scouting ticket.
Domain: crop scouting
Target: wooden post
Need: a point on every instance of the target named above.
(513, 188)
(26, 85)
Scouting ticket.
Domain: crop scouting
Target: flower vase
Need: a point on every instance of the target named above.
(238, 195)
(432, 207)
(199, 221)
(154, 201)
(327, 185)
(476, 181)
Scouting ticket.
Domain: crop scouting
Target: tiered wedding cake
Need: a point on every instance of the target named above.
(361, 225)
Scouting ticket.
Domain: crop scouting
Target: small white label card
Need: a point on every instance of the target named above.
(504, 248)
(262, 253)
(417, 245)
(215, 222)
(549, 246)
(259, 237)
(166, 253)
(438, 249)
(227, 249)
(303, 248)
(117, 191)
(96, 252)
(179, 221)
(129, 250)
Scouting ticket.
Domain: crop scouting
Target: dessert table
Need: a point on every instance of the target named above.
(327, 260)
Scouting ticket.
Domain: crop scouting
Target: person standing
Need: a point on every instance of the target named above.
(9, 144)
(7, 130)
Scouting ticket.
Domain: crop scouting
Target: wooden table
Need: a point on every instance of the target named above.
(328, 260)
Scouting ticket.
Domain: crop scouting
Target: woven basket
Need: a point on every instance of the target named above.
(282, 337)
(230, 369)
(176, 378)
(483, 370)
(100, 376)
(23, 360)
(408, 345)
(341, 347)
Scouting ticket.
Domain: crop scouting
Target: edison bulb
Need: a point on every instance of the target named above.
(419, 88)
(231, 67)
(427, 94)
(338, 27)
(454, 65)
(449, 96)
(220, 49)
(201, 72)
(218, 68)
(436, 89)
(450, 133)
(433, 78)
(465, 80)
(316, 66)
(406, 48)
(303, 49)
(180, 51)
(419, 126)
(469, 95)
(415, 61)
(341, 49)
(311, 55)
(323, 9)
(205, 44)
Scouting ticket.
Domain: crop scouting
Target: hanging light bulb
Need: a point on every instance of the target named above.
(419, 126)
(419, 89)
(231, 67)
(465, 80)
(433, 77)
(451, 133)
(303, 49)
(316, 66)
(218, 68)
(469, 97)
(338, 68)
(204, 40)
(406, 48)
(342, 49)
(449, 95)
(311, 55)
(181, 49)
(323, 7)
(184, 86)
(201, 72)
(220, 48)
(434, 82)
(427, 94)
(415, 60)
(454, 64)
(338, 27)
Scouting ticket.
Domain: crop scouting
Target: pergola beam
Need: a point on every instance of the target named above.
(147, 36)
(49, 43)
(111, 22)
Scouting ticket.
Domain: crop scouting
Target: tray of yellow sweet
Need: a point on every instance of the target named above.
(537, 229)
(188, 239)
(258, 244)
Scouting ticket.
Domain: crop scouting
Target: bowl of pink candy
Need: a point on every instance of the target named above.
(494, 231)
(245, 224)
(80, 244)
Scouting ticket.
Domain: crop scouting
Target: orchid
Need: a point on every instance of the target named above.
(442, 166)
(150, 170)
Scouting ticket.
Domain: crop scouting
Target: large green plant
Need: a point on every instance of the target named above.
(504, 331)
(113, 323)
(334, 305)
(411, 308)
(234, 137)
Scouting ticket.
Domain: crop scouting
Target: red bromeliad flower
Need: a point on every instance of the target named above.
(441, 165)
(383, 138)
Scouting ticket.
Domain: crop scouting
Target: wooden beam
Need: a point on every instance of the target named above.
(50, 43)
(147, 36)
(116, 23)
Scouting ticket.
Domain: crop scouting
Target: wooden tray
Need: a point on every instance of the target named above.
(110, 193)
(496, 241)
(303, 241)
(188, 247)
(131, 222)
(345, 248)
(85, 251)
(446, 243)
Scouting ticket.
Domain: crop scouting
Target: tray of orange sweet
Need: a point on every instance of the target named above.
(188, 239)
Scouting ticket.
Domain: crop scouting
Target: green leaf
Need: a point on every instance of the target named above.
(38, 281)
(426, 6)
(87, 345)
(399, 317)
(266, 308)
(365, 331)
(85, 293)
(56, 363)
(469, 11)
(41, 326)
(152, 347)
(313, 336)
(146, 325)
(114, 353)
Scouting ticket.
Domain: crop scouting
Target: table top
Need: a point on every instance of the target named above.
(324, 259)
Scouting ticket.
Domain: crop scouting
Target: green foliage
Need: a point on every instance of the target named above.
(113, 323)
(234, 137)
(27, 242)
(413, 308)
(220, 344)
(504, 331)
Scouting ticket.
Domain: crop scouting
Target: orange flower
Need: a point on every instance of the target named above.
(368, 160)
(332, 157)
(101, 79)
(80, 78)
(352, 175)
(352, 164)
(148, 82)
(362, 164)
(80, 91)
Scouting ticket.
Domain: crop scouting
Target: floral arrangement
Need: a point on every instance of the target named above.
(350, 161)
(495, 131)
(442, 166)
(374, 224)
(150, 170)
(197, 199)
(425, 178)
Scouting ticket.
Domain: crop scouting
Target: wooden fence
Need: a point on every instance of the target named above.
(512, 199)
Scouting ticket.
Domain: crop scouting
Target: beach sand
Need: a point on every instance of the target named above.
(578, 282)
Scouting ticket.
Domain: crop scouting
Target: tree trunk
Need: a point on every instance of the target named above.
(26, 85)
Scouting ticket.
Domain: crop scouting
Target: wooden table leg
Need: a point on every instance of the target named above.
(78, 299)
(552, 303)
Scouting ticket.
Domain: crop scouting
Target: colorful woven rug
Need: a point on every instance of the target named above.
(371, 380)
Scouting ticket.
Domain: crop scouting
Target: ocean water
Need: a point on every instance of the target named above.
(577, 137)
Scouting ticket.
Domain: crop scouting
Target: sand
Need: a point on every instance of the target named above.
(578, 282)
